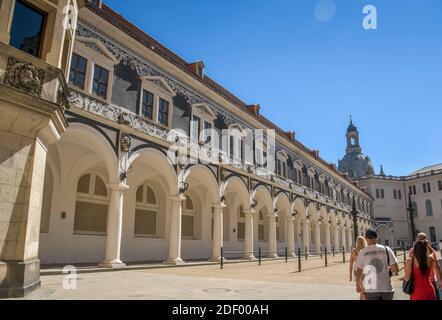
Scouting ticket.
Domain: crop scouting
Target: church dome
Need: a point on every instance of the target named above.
(356, 165)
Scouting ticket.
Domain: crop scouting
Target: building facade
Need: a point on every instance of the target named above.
(117, 150)
(392, 196)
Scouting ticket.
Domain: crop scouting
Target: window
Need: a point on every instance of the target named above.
(394, 194)
(77, 74)
(188, 220)
(101, 78)
(147, 105)
(429, 187)
(399, 194)
(27, 28)
(146, 212)
(439, 183)
(410, 190)
(382, 194)
(429, 206)
(424, 187)
(433, 237)
(196, 124)
(241, 224)
(163, 112)
(91, 206)
(414, 190)
(207, 132)
(261, 227)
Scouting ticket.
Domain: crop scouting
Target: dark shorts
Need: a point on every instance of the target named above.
(379, 295)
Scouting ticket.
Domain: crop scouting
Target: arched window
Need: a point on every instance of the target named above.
(91, 206)
(241, 224)
(146, 212)
(429, 207)
(261, 225)
(188, 223)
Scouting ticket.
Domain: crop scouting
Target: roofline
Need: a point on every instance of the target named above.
(142, 37)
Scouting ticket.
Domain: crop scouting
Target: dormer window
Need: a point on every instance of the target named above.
(198, 68)
(322, 183)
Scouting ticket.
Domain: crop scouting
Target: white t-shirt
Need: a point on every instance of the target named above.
(373, 262)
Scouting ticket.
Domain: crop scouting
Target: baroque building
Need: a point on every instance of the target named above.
(114, 149)
(355, 163)
(392, 195)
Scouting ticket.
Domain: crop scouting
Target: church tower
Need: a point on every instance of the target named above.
(355, 163)
(353, 139)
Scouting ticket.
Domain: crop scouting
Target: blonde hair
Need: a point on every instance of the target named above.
(361, 243)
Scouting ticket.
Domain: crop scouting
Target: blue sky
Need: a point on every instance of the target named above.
(310, 75)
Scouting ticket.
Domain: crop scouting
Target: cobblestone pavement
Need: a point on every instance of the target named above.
(274, 280)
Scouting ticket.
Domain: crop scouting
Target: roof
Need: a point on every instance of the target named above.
(136, 33)
(428, 169)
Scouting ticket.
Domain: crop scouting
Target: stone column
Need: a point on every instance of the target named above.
(26, 131)
(306, 240)
(248, 241)
(114, 227)
(350, 238)
(344, 237)
(217, 241)
(327, 237)
(336, 231)
(272, 237)
(175, 230)
(291, 237)
(317, 237)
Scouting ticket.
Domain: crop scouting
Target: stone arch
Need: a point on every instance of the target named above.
(159, 163)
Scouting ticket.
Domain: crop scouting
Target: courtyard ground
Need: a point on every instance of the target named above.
(274, 280)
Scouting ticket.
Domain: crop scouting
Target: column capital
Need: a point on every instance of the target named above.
(121, 187)
(219, 206)
(249, 212)
(177, 198)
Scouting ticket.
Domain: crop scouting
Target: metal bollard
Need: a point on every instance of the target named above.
(222, 258)
(343, 254)
(306, 253)
(259, 256)
(326, 258)
(286, 255)
(320, 250)
(299, 260)
(333, 251)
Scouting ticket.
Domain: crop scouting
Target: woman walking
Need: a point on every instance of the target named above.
(418, 269)
(361, 243)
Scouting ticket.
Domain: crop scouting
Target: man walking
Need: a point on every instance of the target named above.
(373, 269)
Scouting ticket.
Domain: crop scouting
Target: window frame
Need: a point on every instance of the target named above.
(104, 60)
(147, 207)
(90, 197)
(159, 91)
(205, 115)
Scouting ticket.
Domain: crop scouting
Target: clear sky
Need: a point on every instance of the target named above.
(310, 64)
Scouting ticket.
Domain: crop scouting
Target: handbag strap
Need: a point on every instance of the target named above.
(388, 257)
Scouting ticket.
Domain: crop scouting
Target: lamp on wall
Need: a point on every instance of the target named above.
(253, 204)
(184, 186)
